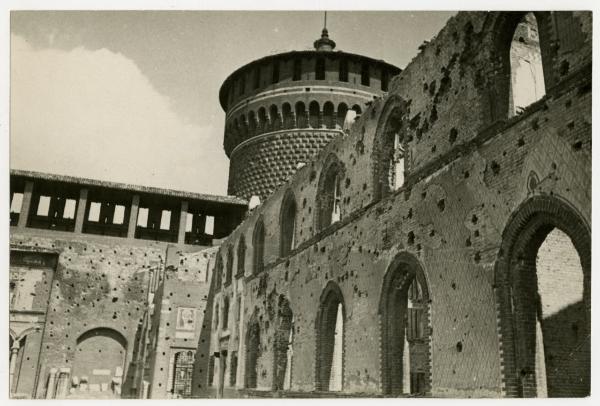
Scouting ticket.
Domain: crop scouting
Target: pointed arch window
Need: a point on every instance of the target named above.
(527, 75)
(229, 269)
(258, 243)
(330, 340)
(288, 224)
(241, 257)
(390, 155)
(396, 164)
(404, 309)
(329, 194)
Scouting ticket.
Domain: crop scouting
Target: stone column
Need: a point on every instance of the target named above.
(14, 352)
(26, 205)
(81, 206)
(133, 214)
(182, 222)
(51, 383)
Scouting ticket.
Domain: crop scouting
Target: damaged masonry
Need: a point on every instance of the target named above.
(423, 231)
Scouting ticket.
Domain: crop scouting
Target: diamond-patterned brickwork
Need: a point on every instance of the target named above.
(262, 165)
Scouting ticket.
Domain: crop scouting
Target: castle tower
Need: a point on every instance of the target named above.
(282, 109)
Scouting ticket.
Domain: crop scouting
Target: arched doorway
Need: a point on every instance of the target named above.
(330, 340)
(99, 357)
(543, 277)
(405, 335)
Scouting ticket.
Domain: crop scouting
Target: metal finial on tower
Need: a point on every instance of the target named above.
(324, 43)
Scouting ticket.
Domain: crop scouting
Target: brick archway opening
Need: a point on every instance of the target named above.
(404, 311)
(330, 340)
(99, 357)
(543, 288)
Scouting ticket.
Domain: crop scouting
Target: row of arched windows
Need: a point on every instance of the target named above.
(390, 149)
(286, 118)
(404, 313)
(405, 307)
(390, 144)
(328, 211)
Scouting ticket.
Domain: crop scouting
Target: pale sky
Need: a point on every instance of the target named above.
(133, 96)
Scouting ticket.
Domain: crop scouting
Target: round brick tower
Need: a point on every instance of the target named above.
(282, 109)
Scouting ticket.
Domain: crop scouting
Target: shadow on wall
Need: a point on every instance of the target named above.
(567, 352)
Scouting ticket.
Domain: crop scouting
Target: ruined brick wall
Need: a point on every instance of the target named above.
(31, 275)
(184, 289)
(460, 194)
(98, 283)
(123, 289)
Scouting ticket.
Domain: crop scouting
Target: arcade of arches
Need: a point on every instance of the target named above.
(442, 244)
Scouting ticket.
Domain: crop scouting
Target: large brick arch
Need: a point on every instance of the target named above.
(403, 269)
(330, 298)
(515, 268)
(100, 348)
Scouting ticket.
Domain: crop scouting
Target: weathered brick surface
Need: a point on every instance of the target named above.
(98, 283)
(259, 167)
(104, 283)
(451, 215)
(184, 286)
